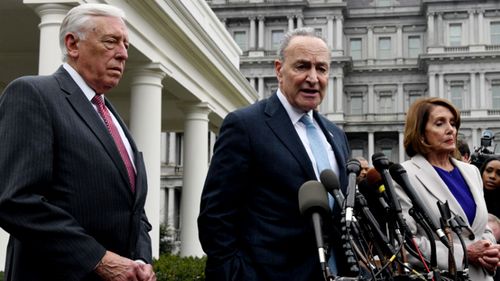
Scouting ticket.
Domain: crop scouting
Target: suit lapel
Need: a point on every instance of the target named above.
(279, 122)
(85, 110)
(433, 183)
(339, 156)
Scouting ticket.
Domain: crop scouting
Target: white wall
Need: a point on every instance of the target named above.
(4, 238)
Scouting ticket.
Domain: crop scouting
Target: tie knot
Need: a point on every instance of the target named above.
(306, 120)
(97, 100)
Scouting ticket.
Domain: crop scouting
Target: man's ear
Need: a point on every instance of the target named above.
(71, 42)
(277, 69)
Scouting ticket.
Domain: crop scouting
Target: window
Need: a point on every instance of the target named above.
(276, 37)
(385, 104)
(384, 3)
(495, 96)
(240, 37)
(414, 46)
(356, 48)
(455, 34)
(179, 147)
(495, 33)
(318, 32)
(456, 91)
(356, 105)
(357, 152)
(387, 151)
(384, 47)
(413, 96)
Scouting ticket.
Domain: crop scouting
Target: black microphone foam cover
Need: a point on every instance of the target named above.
(313, 198)
(329, 179)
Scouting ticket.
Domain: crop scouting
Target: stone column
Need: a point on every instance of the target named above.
(171, 207)
(473, 97)
(401, 147)
(340, 94)
(329, 31)
(401, 98)
(290, 22)
(252, 33)
(370, 44)
(300, 19)
(432, 84)
(441, 85)
(260, 90)
(371, 146)
(471, 28)
(480, 24)
(430, 29)
(145, 126)
(371, 99)
(260, 43)
(328, 103)
(171, 149)
(252, 83)
(50, 54)
(339, 32)
(399, 44)
(482, 90)
(440, 28)
(195, 171)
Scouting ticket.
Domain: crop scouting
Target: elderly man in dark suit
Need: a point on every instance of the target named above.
(250, 225)
(73, 184)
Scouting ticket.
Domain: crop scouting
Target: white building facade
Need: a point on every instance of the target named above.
(182, 76)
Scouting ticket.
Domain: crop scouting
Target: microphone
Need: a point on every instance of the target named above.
(313, 202)
(375, 184)
(381, 164)
(353, 167)
(329, 179)
(400, 175)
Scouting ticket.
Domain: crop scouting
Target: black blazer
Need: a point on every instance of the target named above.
(64, 192)
(250, 225)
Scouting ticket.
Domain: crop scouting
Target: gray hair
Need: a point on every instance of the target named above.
(79, 20)
(303, 31)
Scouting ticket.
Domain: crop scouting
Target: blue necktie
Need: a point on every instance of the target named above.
(322, 163)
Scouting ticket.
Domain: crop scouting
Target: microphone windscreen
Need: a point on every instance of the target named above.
(375, 180)
(313, 198)
(329, 179)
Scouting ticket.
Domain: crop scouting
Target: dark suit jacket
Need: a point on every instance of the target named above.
(64, 191)
(250, 225)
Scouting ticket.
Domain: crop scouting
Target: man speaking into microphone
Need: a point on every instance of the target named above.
(250, 225)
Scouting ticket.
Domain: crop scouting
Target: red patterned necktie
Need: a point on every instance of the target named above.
(106, 116)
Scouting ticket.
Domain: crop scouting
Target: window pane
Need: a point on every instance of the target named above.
(276, 37)
(495, 96)
(455, 34)
(356, 105)
(384, 47)
(240, 37)
(413, 46)
(318, 32)
(495, 33)
(384, 3)
(356, 48)
(388, 152)
(456, 95)
(385, 105)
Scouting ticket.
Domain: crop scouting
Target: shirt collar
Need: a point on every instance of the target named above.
(294, 113)
(89, 92)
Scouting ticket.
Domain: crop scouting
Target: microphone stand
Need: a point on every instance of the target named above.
(445, 212)
(417, 216)
(455, 226)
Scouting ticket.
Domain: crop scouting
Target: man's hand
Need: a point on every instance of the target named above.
(113, 267)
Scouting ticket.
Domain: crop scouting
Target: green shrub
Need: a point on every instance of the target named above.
(1, 275)
(175, 268)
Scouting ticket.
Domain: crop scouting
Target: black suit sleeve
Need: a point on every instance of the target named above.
(26, 167)
(222, 201)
